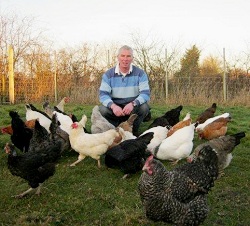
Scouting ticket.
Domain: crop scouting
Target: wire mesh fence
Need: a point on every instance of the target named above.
(198, 90)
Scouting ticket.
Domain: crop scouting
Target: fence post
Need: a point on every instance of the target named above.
(11, 75)
(55, 76)
(166, 75)
(224, 77)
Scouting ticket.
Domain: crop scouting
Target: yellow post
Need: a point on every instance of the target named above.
(11, 75)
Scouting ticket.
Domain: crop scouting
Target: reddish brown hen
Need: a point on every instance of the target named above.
(185, 122)
(214, 129)
(208, 113)
(8, 129)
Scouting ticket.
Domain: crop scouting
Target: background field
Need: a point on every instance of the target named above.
(86, 195)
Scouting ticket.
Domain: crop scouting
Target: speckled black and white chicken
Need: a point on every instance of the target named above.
(178, 196)
(224, 146)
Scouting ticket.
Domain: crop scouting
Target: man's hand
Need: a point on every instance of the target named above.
(128, 108)
(117, 110)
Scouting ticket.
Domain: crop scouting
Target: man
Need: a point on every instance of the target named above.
(124, 90)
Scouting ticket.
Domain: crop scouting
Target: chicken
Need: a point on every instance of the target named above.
(99, 124)
(129, 155)
(208, 113)
(223, 146)
(125, 130)
(62, 103)
(57, 134)
(40, 138)
(170, 118)
(65, 121)
(214, 129)
(202, 125)
(33, 113)
(8, 129)
(176, 147)
(21, 133)
(60, 106)
(160, 133)
(34, 167)
(178, 196)
(93, 145)
(185, 122)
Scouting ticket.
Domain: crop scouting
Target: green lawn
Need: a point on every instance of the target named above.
(87, 195)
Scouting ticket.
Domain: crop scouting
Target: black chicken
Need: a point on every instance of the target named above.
(208, 113)
(178, 196)
(170, 118)
(40, 138)
(21, 133)
(129, 156)
(57, 134)
(34, 167)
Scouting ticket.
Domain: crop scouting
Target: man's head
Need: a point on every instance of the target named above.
(125, 58)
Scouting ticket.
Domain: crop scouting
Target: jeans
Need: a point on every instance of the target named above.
(141, 110)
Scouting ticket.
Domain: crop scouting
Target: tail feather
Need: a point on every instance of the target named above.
(147, 137)
(238, 137)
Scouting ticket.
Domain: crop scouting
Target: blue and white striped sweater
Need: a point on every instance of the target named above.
(124, 89)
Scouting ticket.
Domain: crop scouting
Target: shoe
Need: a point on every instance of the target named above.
(136, 133)
(148, 117)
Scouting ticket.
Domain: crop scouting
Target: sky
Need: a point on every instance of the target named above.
(210, 24)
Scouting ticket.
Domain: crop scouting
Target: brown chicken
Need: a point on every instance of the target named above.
(214, 129)
(8, 129)
(208, 113)
(185, 122)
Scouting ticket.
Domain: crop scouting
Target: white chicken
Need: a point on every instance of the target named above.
(202, 125)
(65, 121)
(44, 120)
(176, 147)
(93, 145)
(160, 133)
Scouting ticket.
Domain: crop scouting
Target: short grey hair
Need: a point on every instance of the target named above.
(126, 47)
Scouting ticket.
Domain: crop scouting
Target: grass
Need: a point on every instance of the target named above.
(87, 195)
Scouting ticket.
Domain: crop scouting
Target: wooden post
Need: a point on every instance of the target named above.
(224, 77)
(166, 75)
(11, 75)
(55, 77)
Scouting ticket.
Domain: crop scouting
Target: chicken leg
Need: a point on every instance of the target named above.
(80, 158)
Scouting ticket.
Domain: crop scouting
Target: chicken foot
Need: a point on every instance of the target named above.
(38, 192)
(80, 158)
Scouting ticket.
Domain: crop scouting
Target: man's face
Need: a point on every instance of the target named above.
(125, 58)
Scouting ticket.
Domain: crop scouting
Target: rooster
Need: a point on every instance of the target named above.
(176, 147)
(21, 133)
(185, 122)
(178, 196)
(214, 129)
(34, 167)
(223, 146)
(170, 118)
(93, 145)
(208, 113)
